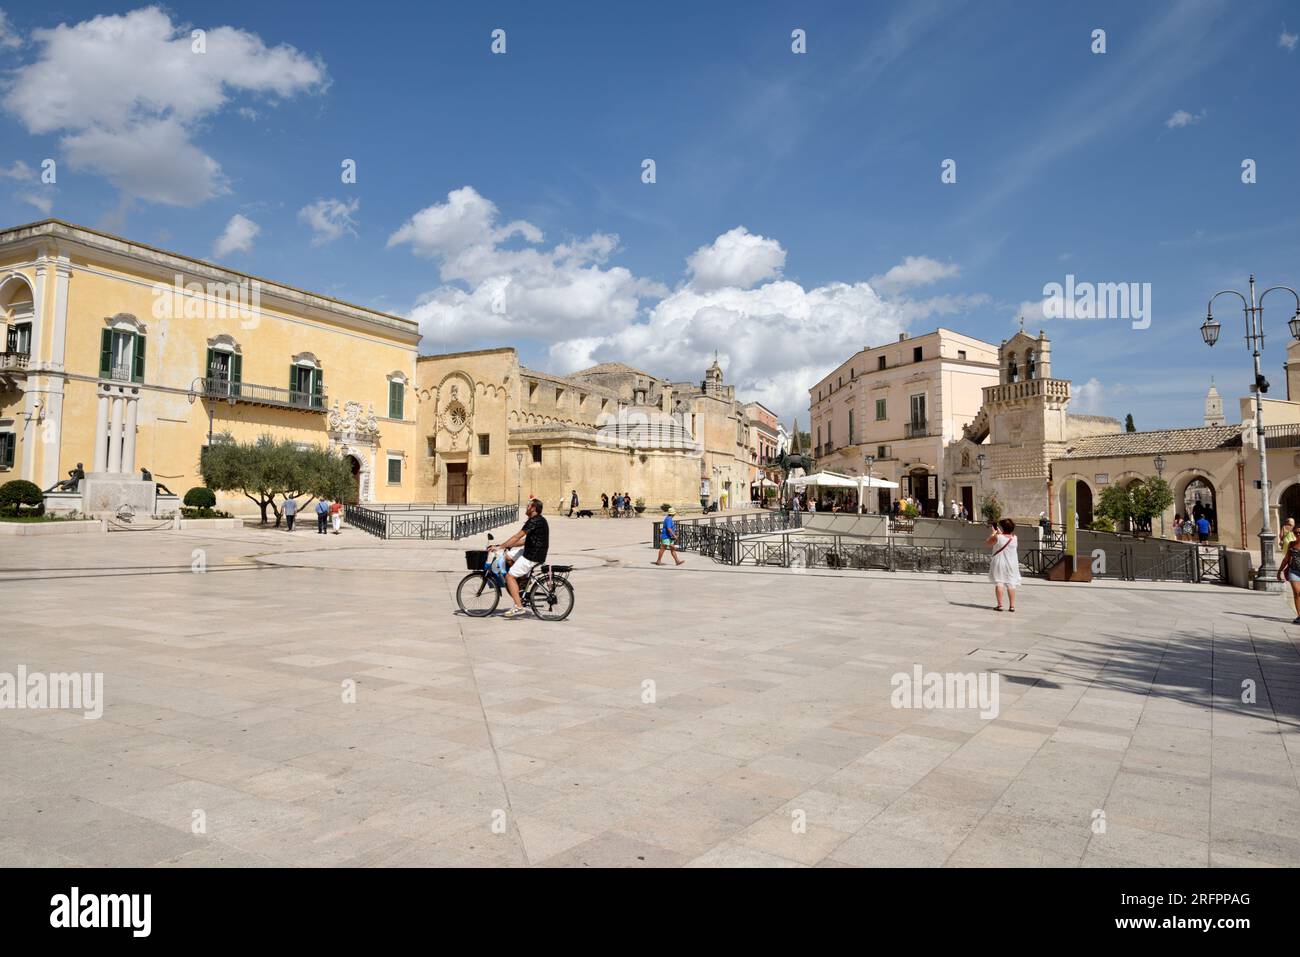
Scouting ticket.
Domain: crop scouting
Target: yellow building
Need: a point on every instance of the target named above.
(496, 431)
(121, 356)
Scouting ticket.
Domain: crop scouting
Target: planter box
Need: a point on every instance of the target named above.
(69, 527)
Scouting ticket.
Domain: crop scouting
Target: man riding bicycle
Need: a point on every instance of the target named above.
(523, 550)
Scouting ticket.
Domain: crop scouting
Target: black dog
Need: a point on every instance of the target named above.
(584, 513)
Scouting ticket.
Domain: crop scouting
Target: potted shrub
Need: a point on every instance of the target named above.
(990, 508)
(640, 505)
(664, 507)
(21, 497)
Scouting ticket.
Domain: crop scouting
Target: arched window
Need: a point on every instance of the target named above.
(1012, 372)
(1031, 365)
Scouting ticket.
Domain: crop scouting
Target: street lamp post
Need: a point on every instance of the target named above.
(1160, 474)
(1254, 312)
(519, 479)
(871, 464)
(193, 396)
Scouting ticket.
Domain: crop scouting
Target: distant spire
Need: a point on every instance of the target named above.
(1022, 324)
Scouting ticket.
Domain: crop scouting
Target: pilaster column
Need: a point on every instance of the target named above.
(115, 437)
(128, 438)
(101, 434)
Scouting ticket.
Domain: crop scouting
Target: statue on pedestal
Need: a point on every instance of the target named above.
(147, 476)
(71, 483)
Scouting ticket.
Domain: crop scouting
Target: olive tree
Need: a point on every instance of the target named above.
(267, 471)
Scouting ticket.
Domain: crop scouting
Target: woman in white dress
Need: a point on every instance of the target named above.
(1004, 565)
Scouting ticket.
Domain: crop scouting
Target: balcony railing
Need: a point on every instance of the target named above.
(10, 361)
(221, 388)
(916, 430)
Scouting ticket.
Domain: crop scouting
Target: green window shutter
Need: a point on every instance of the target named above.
(395, 400)
(207, 368)
(317, 389)
(105, 353)
(236, 368)
(137, 372)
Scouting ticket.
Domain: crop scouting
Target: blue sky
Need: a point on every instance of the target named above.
(499, 198)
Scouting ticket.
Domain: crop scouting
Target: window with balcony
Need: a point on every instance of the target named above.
(19, 338)
(916, 426)
(121, 355)
(224, 371)
(306, 386)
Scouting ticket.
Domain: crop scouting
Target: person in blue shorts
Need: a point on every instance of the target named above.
(668, 538)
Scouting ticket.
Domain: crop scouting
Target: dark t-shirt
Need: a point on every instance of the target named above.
(538, 539)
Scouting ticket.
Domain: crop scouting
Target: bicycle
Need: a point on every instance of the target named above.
(546, 589)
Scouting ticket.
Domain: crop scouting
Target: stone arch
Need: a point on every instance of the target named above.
(1194, 493)
(1085, 501)
(126, 322)
(1031, 364)
(12, 289)
(1287, 500)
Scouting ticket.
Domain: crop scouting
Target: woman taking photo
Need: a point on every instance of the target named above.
(1004, 564)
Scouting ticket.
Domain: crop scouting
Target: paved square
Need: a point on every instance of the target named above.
(696, 716)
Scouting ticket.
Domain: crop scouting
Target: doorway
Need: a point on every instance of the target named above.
(457, 483)
(354, 491)
(968, 500)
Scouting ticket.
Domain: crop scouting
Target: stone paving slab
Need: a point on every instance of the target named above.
(701, 716)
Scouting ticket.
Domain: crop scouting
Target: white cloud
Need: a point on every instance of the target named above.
(42, 201)
(237, 237)
(127, 94)
(1182, 118)
(774, 337)
(914, 271)
(1288, 41)
(492, 290)
(18, 170)
(736, 258)
(1088, 397)
(9, 39)
(329, 219)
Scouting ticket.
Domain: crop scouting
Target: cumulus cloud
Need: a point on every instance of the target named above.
(42, 201)
(736, 258)
(493, 288)
(1288, 41)
(329, 219)
(237, 237)
(1088, 397)
(127, 93)
(9, 38)
(1182, 118)
(501, 283)
(18, 170)
(912, 272)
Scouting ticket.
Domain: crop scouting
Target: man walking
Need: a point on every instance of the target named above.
(322, 516)
(573, 503)
(668, 538)
(290, 511)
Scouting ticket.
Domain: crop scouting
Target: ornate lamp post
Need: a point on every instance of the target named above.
(871, 464)
(193, 396)
(1254, 312)
(1160, 474)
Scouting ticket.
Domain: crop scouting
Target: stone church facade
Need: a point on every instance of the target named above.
(496, 431)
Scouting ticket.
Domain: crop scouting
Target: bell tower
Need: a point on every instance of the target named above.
(1214, 406)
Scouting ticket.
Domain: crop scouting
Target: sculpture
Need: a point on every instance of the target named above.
(71, 483)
